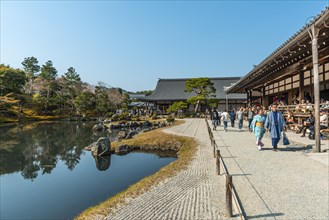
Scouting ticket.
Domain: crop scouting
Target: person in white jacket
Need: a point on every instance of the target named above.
(225, 118)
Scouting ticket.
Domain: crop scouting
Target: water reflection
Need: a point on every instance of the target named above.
(103, 162)
(35, 149)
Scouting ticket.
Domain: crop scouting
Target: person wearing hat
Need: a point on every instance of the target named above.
(275, 124)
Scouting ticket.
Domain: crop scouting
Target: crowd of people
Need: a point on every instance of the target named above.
(261, 120)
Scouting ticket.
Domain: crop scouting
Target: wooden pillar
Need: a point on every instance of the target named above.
(247, 96)
(250, 95)
(218, 162)
(301, 89)
(301, 85)
(314, 36)
(229, 212)
(226, 103)
(264, 101)
(290, 97)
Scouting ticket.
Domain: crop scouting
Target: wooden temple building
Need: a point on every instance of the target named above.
(168, 91)
(289, 69)
(298, 69)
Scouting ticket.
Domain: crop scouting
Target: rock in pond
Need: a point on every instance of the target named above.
(101, 147)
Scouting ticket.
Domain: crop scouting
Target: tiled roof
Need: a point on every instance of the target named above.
(173, 89)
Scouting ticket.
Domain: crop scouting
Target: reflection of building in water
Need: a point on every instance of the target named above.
(103, 162)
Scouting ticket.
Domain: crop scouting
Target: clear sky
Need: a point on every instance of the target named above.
(130, 44)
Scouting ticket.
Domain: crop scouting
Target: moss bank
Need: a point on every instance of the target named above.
(152, 138)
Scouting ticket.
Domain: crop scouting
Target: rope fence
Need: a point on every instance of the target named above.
(230, 189)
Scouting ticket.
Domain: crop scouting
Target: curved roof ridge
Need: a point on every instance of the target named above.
(211, 78)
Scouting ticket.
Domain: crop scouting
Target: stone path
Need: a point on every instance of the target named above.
(287, 184)
(195, 193)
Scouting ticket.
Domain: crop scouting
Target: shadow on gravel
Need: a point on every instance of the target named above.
(240, 174)
(229, 157)
(263, 149)
(291, 148)
(297, 148)
(266, 215)
(223, 146)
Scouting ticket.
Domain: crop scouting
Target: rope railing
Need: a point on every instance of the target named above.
(230, 189)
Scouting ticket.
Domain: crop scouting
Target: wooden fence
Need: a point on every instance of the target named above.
(230, 189)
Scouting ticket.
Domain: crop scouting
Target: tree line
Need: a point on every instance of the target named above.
(43, 92)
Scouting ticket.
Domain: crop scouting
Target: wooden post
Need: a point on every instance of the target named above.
(263, 96)
(226, 103)
(301, 85)
(218, 162)
(228, 196)
(214, 149)
(248, 97)
(314, 36)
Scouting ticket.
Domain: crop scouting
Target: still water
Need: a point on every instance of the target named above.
(46, 174)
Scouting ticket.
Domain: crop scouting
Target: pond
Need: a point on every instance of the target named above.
(46, 174)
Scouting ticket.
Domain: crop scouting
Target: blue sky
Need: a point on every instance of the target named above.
(130, 44)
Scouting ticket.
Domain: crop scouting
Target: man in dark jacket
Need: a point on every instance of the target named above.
(214, 118)
(307, 124)
(232, 117)
(275, 124)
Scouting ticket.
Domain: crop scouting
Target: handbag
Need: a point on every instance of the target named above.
(285, 139)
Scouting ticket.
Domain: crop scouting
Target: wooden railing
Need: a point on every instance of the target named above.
(230, 189)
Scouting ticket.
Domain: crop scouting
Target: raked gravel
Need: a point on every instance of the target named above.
(195, 193)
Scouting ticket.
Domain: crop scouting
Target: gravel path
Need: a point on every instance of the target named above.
(287, 184)
(195, 193)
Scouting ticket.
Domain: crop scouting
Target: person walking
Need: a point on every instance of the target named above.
(219, 113)
(250, 116)
(232, 117)
(225, 117)
(275, 124)
(214, 118)
(239, 116)
(258, 128)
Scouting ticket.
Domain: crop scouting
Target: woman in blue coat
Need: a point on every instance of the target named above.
(275, 124)
(258, 128)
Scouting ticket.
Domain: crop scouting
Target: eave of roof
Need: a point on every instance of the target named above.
(300, 35)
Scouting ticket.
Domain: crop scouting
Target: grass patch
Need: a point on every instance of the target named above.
(185, 155)
(147, 140)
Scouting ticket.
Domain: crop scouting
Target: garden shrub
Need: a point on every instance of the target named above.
(170, 119)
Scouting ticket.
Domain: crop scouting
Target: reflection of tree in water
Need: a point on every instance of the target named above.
(30, 171)
(71, 158)
(39, 147)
